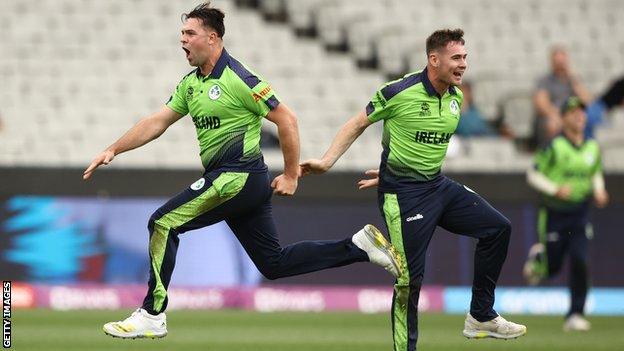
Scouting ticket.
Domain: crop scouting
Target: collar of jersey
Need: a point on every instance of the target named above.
(429, 87)
(218, 69)
(578, 147)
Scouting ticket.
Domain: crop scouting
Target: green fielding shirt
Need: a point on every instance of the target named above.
(565, 163)
(418, 125)
(227, 108)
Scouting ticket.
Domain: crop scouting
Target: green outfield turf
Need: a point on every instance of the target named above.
(236, 330)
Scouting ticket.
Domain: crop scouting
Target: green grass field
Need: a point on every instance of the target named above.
(237, 330)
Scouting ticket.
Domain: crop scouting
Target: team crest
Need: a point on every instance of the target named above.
(214, 92)
(589, 159)
(198, 184)
(454, 106)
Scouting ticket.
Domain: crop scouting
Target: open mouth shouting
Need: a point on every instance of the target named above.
(457, 76)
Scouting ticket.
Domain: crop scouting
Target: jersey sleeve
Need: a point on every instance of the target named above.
(177, 101)
(258, 96)
(377, 109)
(598, 165)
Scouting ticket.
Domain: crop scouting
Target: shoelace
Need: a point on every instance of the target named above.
(135, 313)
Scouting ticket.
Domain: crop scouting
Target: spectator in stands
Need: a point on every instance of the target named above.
(612, 98)
(567, 173)
(472, 122)
(551, 92)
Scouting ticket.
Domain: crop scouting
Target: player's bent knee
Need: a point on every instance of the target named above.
(270, 270)
(505, 226)
(152, 221)
(270, 274)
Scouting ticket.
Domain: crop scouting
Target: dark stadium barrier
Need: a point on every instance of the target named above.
(325, 207)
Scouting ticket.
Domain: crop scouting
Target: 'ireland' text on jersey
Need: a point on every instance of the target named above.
(418, 125)
(227, 108)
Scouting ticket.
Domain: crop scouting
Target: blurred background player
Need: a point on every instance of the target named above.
(567, 173)
(551, 92)
(420, 114)
(227, 103)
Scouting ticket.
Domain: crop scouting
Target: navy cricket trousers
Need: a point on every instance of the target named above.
(243, 200)
(412, 216)
(567, 233)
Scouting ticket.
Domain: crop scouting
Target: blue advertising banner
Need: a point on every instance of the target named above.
(70, 240)
(600, 301)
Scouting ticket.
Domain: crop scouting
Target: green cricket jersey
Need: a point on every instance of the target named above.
(227, 108)
(418, 125)
(565, 163)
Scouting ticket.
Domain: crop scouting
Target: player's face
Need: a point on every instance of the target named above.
(451, 63)
(197, 41)
(575, 120)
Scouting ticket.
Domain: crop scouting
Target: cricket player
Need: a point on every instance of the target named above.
(567, 173)
(420, 113)
(227, 103)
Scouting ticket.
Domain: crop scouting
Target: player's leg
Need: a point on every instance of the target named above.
(411, 221)
(467, 213)
(256, 231)
(545, 258)
(579, 278)
(203, 203)
(195, 207)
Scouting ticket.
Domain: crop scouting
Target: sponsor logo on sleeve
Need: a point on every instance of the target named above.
(264, 92)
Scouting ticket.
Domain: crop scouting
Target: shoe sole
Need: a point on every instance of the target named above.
(153, 336)
(379, 241)
(483, 334)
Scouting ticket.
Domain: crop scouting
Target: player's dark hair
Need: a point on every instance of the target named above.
(439, 39)
(210, 17)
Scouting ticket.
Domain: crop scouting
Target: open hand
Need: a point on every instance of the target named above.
(104, 158)
(564, 192)
(313, 166)
(601, 197)
(372, 181)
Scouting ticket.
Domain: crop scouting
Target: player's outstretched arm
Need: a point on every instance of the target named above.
(146, 130)
(288, 132)
(345, 137)
(372, 180)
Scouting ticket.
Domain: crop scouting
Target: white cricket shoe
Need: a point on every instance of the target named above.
(576, 322)
(498, 328)
(531, 270)
(140, 324)
(379, 250)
